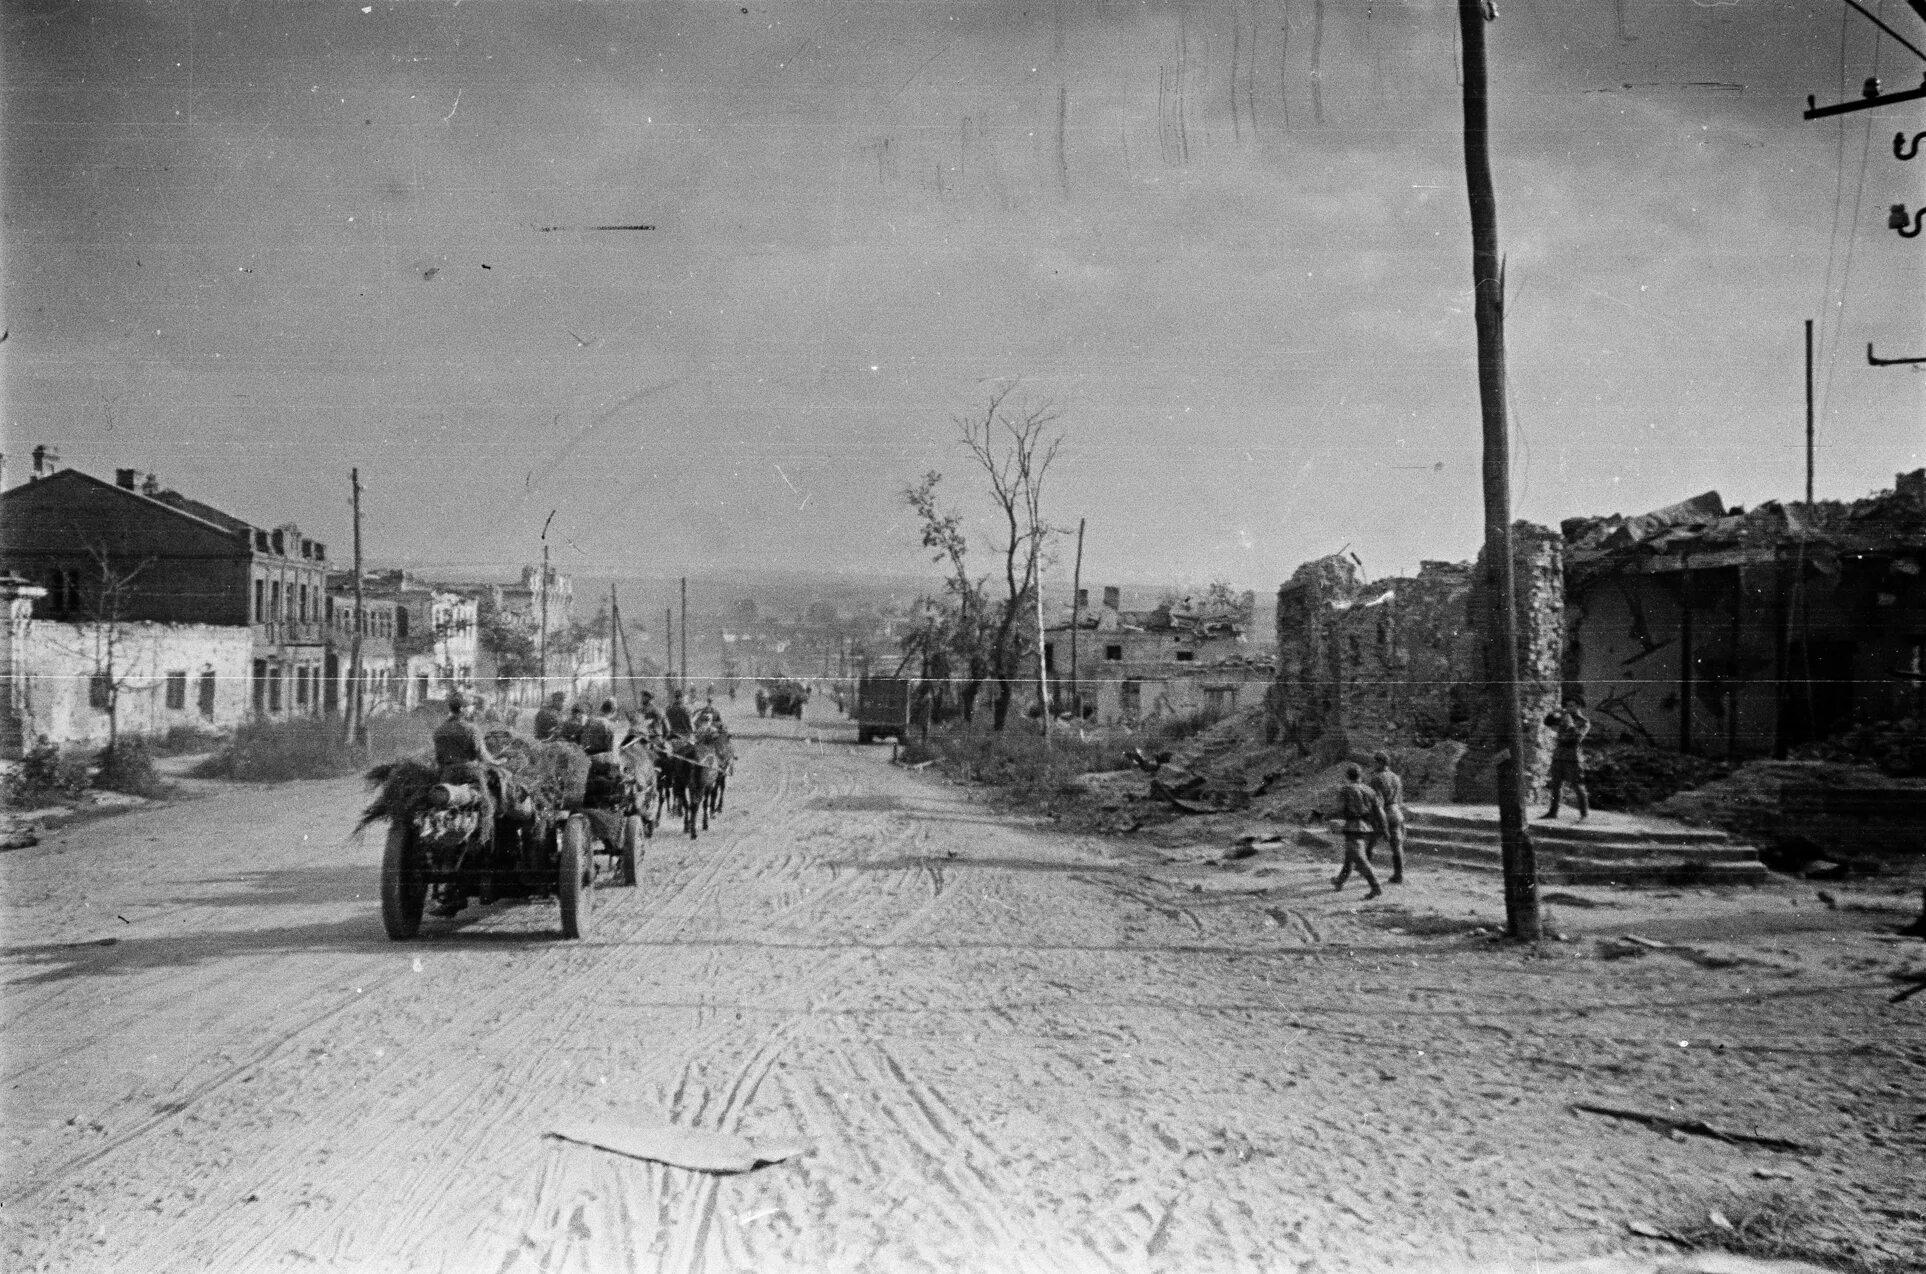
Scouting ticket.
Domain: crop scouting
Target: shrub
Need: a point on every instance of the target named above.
(1031, 769)
(46, 773)
(1161, 732)
(269, 751)
(126, 766)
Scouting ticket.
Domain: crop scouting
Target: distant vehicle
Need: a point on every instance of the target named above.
(783, 698)
(883, 707)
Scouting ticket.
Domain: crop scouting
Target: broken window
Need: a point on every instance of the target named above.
(177, 691)
(1113, 653)
(100, 691)
(207, 695)
(1130, 699)
(1049, 656)
(1186, 656)
(274, 690)
(274, 600)
(260, 601)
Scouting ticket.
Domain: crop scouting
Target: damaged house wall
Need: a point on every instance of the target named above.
(1401, 662)
(1726, 633)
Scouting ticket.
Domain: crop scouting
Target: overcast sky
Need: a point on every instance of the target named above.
(251, 245)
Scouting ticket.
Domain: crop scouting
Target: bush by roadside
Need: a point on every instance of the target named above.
(310, 748)
(185, 740)
(127, 766)
(1032, 770)
(48, 773)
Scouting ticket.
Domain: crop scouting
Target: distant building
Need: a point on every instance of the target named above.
(1172, 656)
(103, 557)
(436, 634)
(384, 683)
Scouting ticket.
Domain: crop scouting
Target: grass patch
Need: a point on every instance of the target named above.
(1779, 1225)
(310, 748)
(186, 740)
(1031, 770)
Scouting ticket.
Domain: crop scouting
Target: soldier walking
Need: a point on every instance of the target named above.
(1390, 789)
(1363, 815)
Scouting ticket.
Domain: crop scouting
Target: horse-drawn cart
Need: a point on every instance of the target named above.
(531, 829)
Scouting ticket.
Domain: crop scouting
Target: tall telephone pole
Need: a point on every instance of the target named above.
(1076, 605)
(1488, 278)
(356, 730)
(1809, 415)
(685, 633)
(668, 656)
(544, 634)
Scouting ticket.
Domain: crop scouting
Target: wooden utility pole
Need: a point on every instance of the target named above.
(615, 635)
(1076, 607)
(668, 656)
(685, 632)
(1808, 415)
(544, 633)
(1043, 671)
(1488, 279)
(357, 732)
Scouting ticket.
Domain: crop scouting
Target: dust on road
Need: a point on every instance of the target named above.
(1012, 1050)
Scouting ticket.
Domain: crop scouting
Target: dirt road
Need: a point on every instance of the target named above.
(1012, 1050)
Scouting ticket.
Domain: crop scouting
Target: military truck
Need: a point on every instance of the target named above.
(883, 707)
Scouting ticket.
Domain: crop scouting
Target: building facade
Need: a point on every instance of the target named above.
(1172, 657)
(132, 552)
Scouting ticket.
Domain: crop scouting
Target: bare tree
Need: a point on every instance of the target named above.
(1014, 444)
(103, 634)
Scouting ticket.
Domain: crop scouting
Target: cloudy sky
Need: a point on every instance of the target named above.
(251, 245)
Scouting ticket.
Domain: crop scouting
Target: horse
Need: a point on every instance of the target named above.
(725, 763)
(701, 765)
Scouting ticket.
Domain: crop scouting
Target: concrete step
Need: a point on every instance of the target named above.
(1556, 867)
(1721, 850)
(1576, 833)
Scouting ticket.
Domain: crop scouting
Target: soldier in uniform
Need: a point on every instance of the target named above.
(1390, 789)
(1568, 762)
(604, 732)
(549, 720)
(707, 715)
(1363, 814)
(679, 723)
(462, 756)
(653, 724)
(571, 731)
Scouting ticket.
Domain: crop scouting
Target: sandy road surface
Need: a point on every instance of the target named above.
(1012, 1050)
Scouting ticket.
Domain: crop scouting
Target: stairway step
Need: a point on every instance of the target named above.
(1567, 869)
(1576, 833)
(1709, 851)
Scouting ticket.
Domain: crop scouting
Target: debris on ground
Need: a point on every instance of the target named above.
(698, 1149)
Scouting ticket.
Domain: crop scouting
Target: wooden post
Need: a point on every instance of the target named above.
(544, 588)
(1686, 670)
(1487, 272)
(668, 654)
(1076, 605)
(357, 732)
(615, 632)
(1809, 415)
(1043, 671)
(685, 633)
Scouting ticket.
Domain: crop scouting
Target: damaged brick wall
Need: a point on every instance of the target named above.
(1401, 662)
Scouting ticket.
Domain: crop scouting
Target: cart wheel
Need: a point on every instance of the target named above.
(575, 877)
(403, 891)
(631, 848)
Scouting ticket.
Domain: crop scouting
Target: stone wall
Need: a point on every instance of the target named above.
(1402, 662)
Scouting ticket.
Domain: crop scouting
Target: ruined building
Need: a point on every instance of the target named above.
(1694, 628)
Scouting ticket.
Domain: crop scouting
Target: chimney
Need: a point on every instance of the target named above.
(151, 486)
(1112, 597)
(124, 478)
